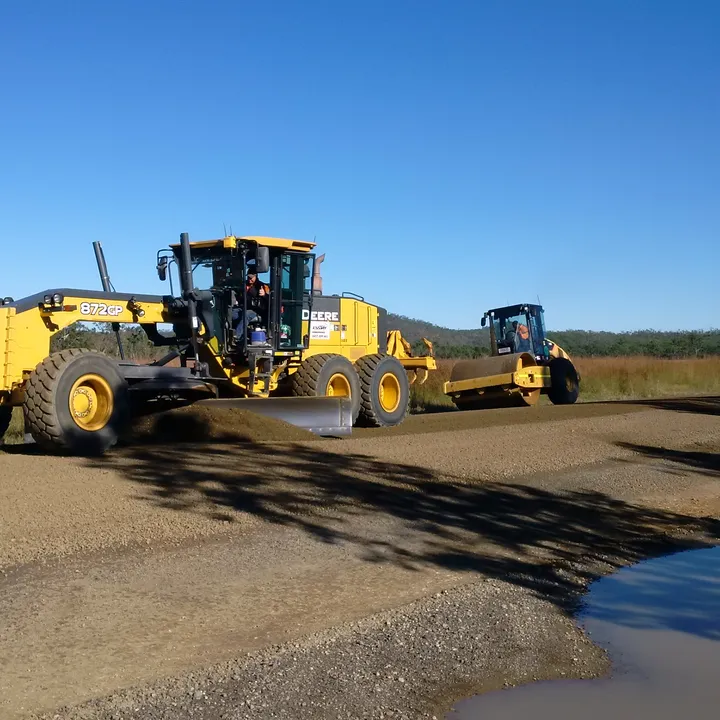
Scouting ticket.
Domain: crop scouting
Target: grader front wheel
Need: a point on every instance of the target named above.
(76, 401)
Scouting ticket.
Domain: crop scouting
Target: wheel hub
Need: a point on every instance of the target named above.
(83, 402)
(338, 386)
(91, 402)
(389, 393)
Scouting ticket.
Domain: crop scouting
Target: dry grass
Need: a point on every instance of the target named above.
(429, 396)
(16, 432)
(611, 378)
(621, 378)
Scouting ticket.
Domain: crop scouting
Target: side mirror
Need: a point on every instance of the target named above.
(483, 322)
(162, 269)
(262, 260)
(306, 270)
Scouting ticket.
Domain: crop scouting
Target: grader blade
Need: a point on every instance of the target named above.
(321, 415)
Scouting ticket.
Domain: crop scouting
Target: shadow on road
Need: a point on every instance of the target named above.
(549, 542)
(704, 462)
(700, 405)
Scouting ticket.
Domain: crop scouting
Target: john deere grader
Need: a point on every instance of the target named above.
(523, 364)
(324, 363)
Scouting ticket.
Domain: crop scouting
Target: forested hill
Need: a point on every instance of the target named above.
(464, 343)
(415, 330)
(447, 343)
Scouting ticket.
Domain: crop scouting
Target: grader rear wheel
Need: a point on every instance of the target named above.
(385, 391)
(76, 401)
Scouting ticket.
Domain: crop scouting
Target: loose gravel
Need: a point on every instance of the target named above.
(480, 504)
(404, 663)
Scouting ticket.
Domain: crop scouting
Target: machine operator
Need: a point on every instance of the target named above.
(257, 295)
(519, 336)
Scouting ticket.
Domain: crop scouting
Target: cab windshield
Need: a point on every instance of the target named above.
(512, 333)
(520, 329)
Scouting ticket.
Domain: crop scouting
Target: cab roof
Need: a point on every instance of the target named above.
(513, 309)
(231, 241)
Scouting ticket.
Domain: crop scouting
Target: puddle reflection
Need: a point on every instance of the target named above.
(660, 622)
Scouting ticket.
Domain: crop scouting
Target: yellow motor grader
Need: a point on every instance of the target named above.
(324, 363)
(523, 364)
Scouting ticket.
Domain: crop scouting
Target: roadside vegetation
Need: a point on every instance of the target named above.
(15, 432)
(453, 344)
(606, 378)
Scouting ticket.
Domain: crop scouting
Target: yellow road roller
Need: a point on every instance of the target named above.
(523, 364)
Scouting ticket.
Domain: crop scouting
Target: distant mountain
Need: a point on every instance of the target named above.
(461, 343)
(414, 330)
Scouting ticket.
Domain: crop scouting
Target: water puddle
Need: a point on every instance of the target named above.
(660, 623)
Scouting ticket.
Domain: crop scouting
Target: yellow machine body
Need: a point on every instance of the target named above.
(344, 331)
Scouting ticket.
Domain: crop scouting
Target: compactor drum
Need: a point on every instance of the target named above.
(257, 334)
(523, 365)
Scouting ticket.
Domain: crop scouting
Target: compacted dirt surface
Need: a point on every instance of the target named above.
(385, 575)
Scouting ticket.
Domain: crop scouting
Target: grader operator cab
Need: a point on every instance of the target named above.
(523, 364)
(324, 363)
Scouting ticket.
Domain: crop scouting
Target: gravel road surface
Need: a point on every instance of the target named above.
(385, 575)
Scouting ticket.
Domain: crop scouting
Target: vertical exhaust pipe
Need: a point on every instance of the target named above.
(186, 278)
(107, 287)
(317, 288)
(102, 266)
(186, 283)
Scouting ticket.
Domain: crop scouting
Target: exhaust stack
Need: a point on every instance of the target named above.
(107, 287)
(317, 278)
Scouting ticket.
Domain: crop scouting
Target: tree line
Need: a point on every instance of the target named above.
(136, 345)
(604, 344)
(577, 342)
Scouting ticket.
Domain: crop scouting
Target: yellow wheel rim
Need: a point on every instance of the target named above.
(91, 402)
(338, 386)
(389, 392)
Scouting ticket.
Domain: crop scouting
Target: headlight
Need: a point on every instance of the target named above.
(47, 299)
(57, 299)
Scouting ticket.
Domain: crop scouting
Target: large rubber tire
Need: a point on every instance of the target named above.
(376, 372)
(5, 418)
(318, 373)
(565, 383)
(101, 388)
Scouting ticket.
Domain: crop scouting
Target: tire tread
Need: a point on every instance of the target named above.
(40, 419)
(366, 367)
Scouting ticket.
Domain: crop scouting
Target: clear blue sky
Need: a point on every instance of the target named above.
(448, 156)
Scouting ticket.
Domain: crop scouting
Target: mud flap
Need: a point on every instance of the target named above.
(321, 415)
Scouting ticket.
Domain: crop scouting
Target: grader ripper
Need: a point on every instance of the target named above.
(523, 364)
(325, 363)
